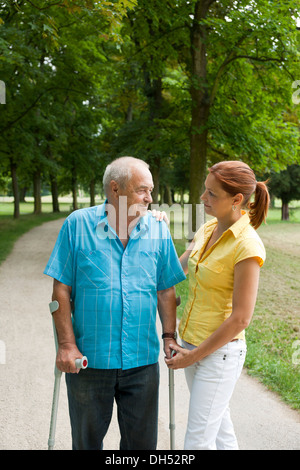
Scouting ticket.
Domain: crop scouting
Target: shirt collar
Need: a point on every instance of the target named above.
(240, 224)
(101, 216)
(236, 228)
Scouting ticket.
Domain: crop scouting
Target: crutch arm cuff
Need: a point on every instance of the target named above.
(53, 306)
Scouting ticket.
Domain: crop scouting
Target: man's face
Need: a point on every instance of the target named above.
(138, 192)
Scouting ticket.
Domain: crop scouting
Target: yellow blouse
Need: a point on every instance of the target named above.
(211, 277)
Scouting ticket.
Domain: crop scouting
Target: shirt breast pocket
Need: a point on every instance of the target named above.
(214, 265)
(148, 268)
(93, 268)
(210, 274)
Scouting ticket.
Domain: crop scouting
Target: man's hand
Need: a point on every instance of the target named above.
(66, 355)
(167, 347)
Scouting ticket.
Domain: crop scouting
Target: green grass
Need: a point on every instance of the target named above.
(273, 352)
(7, 209)
(275, 329)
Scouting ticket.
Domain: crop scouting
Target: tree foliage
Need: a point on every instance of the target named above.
(179, 84)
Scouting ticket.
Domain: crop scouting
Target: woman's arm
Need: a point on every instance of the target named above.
(246, 277)
(184, 261)
(184, 258)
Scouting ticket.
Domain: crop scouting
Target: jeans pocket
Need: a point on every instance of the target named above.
(241, 361)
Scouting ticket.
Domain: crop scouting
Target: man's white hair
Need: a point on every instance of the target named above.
(120, 170)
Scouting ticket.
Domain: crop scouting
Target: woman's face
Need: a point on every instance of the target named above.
(217, 202)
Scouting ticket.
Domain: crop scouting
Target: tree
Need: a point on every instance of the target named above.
(286, 186)
(35, 38)
(180, 84)
(238, 65)
(149, 59)
(236, 48)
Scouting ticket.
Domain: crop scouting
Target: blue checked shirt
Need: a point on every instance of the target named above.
(114, 290)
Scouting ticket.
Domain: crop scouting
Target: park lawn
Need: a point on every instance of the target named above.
(273, 335)
(7, 209)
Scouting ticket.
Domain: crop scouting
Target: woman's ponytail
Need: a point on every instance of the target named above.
(258, 209)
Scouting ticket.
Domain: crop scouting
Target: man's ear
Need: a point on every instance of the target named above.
(114, 188)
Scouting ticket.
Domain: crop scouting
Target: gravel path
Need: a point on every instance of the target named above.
(27, 354)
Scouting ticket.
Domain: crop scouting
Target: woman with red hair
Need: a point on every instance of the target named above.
(223, 263)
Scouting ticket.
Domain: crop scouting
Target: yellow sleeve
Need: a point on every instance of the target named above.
(250, 248)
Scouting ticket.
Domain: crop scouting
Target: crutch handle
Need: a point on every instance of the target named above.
(81, 363)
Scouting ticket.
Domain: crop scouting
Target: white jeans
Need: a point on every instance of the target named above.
(211, 382)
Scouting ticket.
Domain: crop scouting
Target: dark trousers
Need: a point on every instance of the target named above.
(91, 395)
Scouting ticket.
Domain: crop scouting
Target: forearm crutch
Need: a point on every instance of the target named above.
(171, 409)
(80, 364)
(172, 398)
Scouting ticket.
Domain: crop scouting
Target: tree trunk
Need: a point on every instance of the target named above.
(37, 193)
(92, 193)
(200, 108)
(74, 191)
(53, 180)
(285, 215)
(181, 197)
(129, 113)
(15, 187)
(167, 195)
(155, 175)
(161, 195)
(153, 90)
(22, 193)
(54, 192)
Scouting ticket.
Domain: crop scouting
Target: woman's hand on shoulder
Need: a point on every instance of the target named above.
(160, 216)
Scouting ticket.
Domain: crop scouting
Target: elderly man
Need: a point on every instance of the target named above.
(115, 264)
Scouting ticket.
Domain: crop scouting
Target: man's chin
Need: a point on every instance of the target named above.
(141, 211)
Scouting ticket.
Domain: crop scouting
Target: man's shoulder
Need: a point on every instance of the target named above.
(158, 229)
(87, 213)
